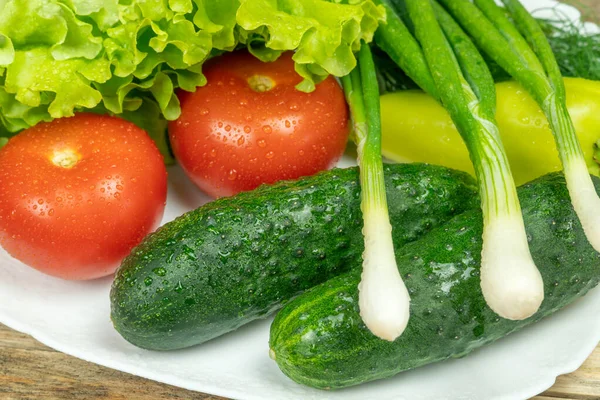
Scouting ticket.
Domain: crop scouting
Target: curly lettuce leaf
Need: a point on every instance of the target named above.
(212, 16)
(324, 35)
(132, 56)
(104, 13)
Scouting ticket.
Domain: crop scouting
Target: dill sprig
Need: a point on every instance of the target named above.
(577, 52)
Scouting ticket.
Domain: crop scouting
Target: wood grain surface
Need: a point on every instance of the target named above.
(32, 371)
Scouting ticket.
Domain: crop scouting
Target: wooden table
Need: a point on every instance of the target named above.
(30, 370)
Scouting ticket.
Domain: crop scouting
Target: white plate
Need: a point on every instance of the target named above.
(74, 318)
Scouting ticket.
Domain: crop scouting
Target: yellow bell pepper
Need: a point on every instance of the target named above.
(417, 129)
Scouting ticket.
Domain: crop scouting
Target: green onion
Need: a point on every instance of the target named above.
(445, 63)
(383, 298)
(524, 52)
(581, 188)
(510, 281)
(395, 39)
(576, 51)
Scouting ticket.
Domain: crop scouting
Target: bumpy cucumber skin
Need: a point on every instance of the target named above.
(318, 339)
(238, 259)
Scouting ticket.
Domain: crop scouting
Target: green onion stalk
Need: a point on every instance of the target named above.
(510, 281)
(521, 48)
(383, 298)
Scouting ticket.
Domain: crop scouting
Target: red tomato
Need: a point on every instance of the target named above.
(249, 125)
(77, 194)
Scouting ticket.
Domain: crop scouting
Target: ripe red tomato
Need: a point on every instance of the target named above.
(249, 125)
(77, 194)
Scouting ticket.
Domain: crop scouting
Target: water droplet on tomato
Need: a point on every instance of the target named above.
(241, 141)
(232, 175)
(262, 143)
(204, 111)
(243, 102)
(247, 129)
(267, 129)
(270, 155)
(119, 187)
(220, 124)
(301, 152)
(228, 128)
(294, 107)
(288, 124)
(213, 153)
(41, 201)
(51, 212)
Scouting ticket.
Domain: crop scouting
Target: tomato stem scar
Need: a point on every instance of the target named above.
(261, 83)
(66, 158)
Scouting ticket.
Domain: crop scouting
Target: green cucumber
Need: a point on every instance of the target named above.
(318, 339)
(238, 259)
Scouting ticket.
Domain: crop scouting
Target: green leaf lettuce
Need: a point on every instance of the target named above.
(131, 56)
